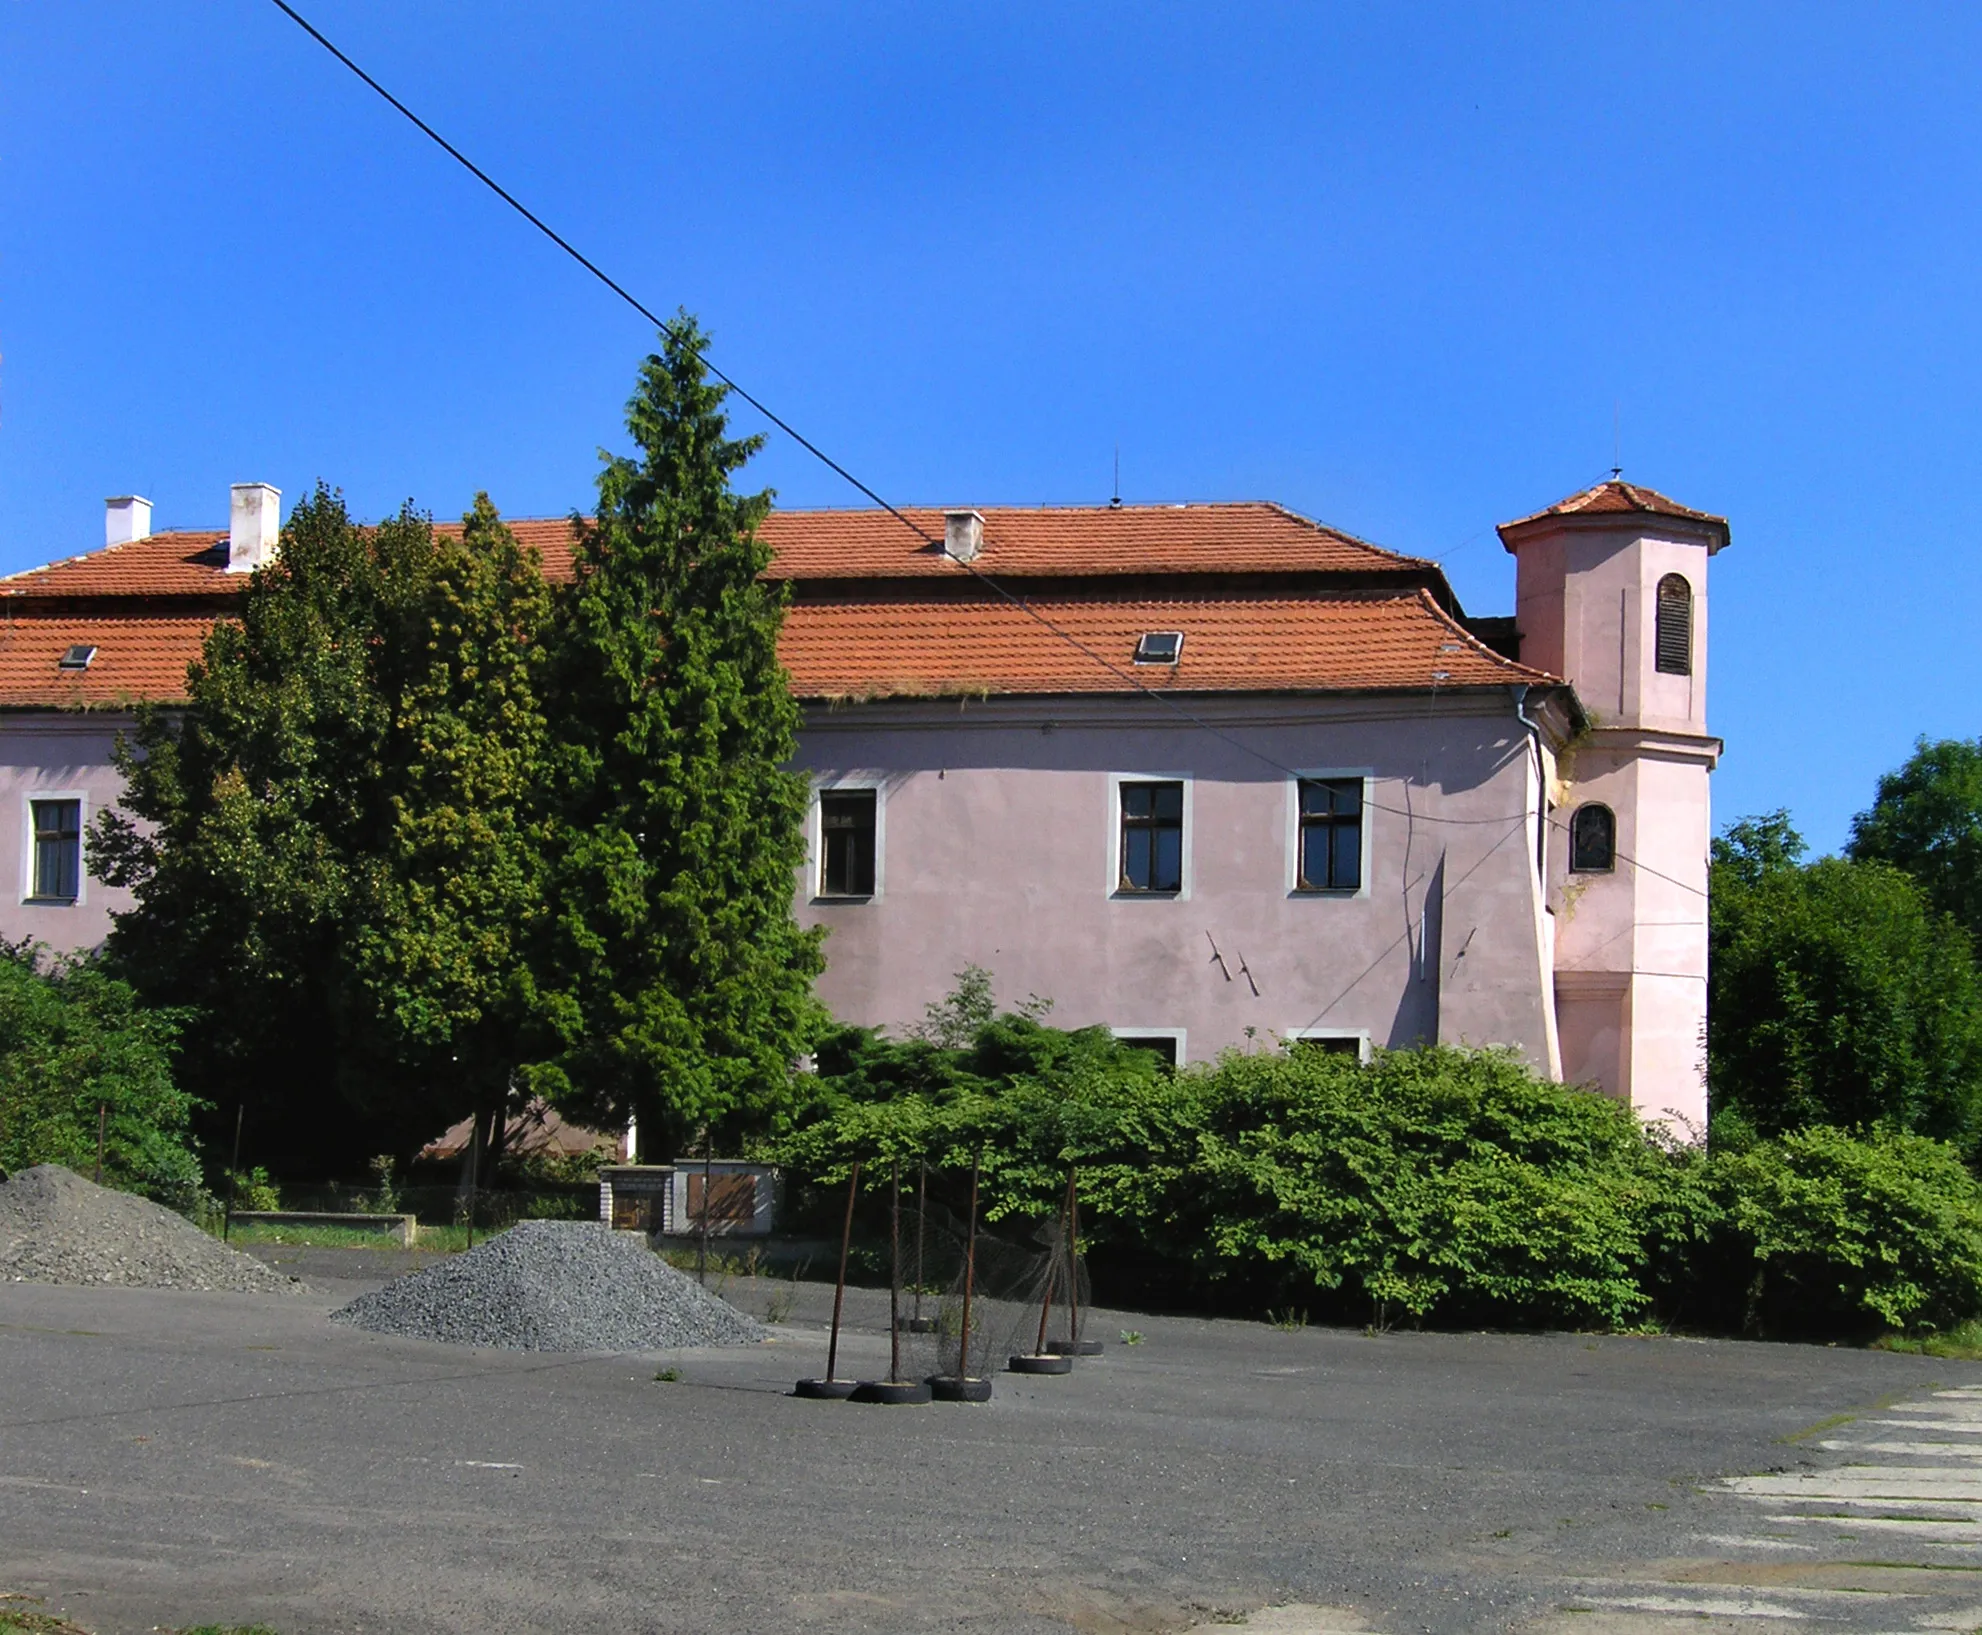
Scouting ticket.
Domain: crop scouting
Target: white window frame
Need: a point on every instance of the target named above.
(1175, 1035)
(1184, 875)
(1360, 1035)
(81, 798)
(1340, 774)
(815, 835)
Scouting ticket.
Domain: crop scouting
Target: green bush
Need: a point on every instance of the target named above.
(1441, 1183)
(1827, 1232)
(73, 1041)
(1434, 1185)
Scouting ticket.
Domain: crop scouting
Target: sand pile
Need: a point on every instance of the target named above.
(55, 1227)
(554, 1286)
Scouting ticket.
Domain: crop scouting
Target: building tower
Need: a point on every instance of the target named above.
(1611, 595)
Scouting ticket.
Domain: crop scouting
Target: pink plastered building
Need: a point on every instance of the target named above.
(1214, 776)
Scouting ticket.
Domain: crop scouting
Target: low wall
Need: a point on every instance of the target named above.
(402, 1229)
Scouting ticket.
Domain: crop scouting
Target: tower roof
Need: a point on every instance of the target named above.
(1612, 498)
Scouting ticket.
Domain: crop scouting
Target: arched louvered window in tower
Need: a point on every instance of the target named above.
(1675, 626)
(1593, 840)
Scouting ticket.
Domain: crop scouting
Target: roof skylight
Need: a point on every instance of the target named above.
(1160, 647)
(77, 657)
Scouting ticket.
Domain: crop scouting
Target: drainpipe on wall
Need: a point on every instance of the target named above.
(1520, 691)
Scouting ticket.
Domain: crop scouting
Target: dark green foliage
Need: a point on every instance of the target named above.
(1839, 996)
(1847, 1234)
(337, 853)
(1438, 1182)
(683, 982)
(1434, 1185)
(1030, 1099)
(1927, 819)
(73, 1040)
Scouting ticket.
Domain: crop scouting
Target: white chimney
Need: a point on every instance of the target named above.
(254, 520)
(963, 535)
(126, 517)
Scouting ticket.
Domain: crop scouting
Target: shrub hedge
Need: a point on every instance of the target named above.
(1432, 1185)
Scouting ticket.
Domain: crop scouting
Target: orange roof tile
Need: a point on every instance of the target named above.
(136, 660)
(908, 649)
(915, 649)
(1613, 497)
(1073, 541)
(174, 564)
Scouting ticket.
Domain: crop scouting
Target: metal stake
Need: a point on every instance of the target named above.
(233, 1171)
(1046, 1303)
(921, 1229)
(474, 1172)
(839, 1288)
(1073, 1258)
(702, 1246)
(102, 1126)
(969, 1269)
(895, 1270)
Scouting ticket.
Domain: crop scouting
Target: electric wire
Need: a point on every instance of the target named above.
(674, 333)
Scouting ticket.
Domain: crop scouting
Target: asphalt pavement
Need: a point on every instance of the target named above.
(177, 1458)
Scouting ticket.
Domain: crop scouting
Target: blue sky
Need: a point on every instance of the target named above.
(1409, 270)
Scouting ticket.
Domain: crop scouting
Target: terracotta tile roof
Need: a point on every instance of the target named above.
(1615, 497)
(1075, 541)
(147, 604)
(174, 564)
(136, 659)
(908, 649)
(194, 562)
(915, 649)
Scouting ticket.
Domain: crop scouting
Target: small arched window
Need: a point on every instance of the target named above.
(1593, 840)
(1675, 626)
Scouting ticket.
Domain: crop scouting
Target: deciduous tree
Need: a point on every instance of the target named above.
(1927, 819)
(1839, 995)
(337, 846)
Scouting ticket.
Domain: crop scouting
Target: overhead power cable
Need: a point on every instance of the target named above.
(674, 332)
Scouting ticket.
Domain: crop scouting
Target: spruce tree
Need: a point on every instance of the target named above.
(683, 983)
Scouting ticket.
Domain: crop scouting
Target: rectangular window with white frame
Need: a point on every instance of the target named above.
(1165, 1044)
(847, 841)
(1351, 1042)
(1328, 827)
(52, 867)
(1150, 840)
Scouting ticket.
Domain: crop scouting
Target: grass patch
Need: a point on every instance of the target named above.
(1831, 1422)
(16, 1619)
(19, 1617)
(435, 1239)
(1962, 1343)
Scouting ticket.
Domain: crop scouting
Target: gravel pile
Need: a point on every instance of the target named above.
(55, 1227)
(554, 1286)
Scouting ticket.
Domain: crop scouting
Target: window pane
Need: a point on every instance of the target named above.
(1346, 870)
(1168, 873)
(1592, 839)
(1135, 858)
(57, 848)
(1136, 800)
(1169, 801)
(1314, 855)
(846, 823)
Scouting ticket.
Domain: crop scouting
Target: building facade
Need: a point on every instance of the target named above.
(1216, 777)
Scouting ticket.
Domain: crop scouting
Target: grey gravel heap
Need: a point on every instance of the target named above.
(55, 1227)
(554, 1286)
